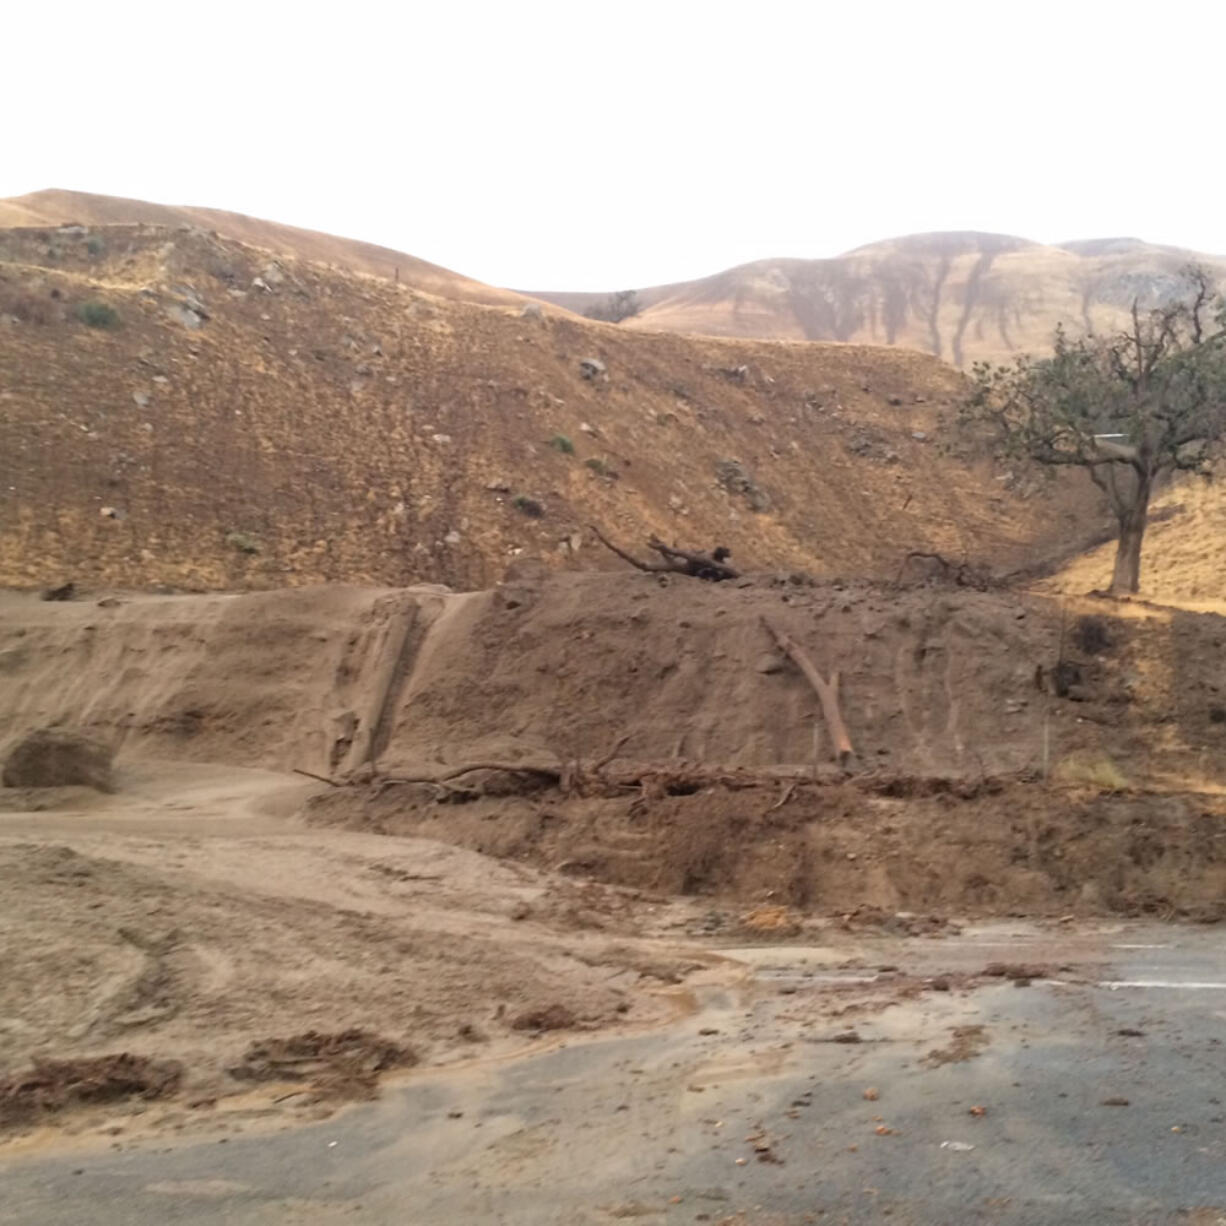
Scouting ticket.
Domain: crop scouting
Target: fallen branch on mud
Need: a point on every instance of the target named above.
(332, 783)
(710, 566)
(656, 780)
(827, 693)
(551, 773)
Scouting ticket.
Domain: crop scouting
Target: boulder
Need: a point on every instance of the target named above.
(59, 757)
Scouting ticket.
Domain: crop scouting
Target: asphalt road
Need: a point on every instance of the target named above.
(763, 1118)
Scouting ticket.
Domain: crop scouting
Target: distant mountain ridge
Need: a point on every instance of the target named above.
(962, 295)
(959, 295)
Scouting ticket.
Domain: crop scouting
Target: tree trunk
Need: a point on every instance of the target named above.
(1126, 579)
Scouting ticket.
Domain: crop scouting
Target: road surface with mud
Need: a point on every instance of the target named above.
(1089, 1095)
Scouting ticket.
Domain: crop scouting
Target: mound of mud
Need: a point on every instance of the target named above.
(839, 847)
(58, 757)
(934, 681)
(53, 1085)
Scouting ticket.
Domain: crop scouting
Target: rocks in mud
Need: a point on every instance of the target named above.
(58, 757)
(1017, 971)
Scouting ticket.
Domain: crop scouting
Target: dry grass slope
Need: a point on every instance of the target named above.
(1183, 562)
(253, 422)
(55, 208)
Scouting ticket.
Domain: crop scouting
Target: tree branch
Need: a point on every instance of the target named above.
(626, 557)
(695, 559)
(827, 693)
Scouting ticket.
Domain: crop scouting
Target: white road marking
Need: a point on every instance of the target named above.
(1187, 985)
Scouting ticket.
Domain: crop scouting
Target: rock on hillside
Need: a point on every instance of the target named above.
(961, 296)
(180, 409)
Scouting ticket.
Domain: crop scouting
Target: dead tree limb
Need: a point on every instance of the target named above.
(599, 765)
(626, 557)
(332, 783)
(676, 561)
(516, 768)
(785, 794)
(693, 563)
(827, 693)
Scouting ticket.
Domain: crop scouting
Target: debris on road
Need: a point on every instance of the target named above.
(342, 1065)
(52, 1085)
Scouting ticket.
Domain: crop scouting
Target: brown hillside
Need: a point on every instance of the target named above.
(960, 296)
(55, 208)
(250, 423)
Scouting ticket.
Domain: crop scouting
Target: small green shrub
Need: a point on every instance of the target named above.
(528, 506)
(599, 467)
(95, 246)
(97, 315)
(244, 542)
(561, 443)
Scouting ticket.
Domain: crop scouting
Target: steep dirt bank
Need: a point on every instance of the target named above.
(249, 423)
(936, 680)
(678, 679)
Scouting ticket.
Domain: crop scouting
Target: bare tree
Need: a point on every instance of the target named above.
(1128, 408)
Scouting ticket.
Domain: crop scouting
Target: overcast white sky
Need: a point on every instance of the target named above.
(580, 145)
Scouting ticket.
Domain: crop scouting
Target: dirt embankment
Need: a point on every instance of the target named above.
(975, 787)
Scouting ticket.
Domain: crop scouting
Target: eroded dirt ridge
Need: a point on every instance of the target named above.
(1076, 752)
